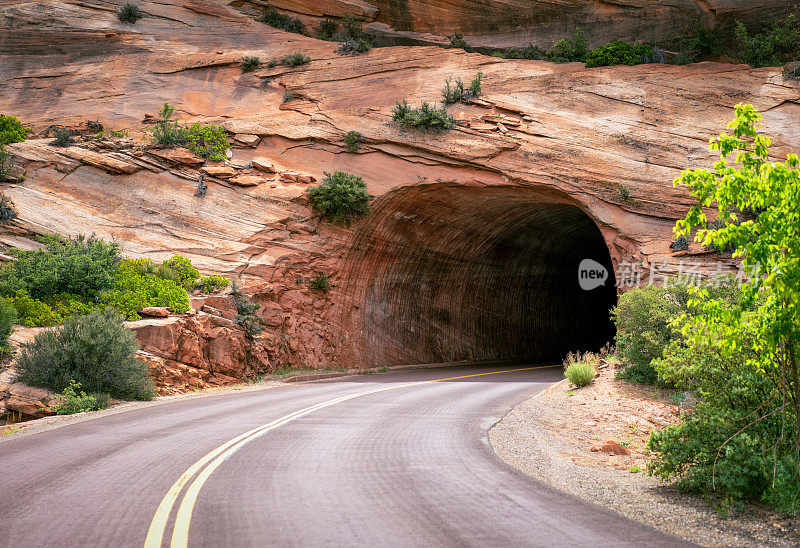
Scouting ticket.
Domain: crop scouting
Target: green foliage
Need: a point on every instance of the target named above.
(579, 368)
(530, 52)
(74, 400)
(249, 64)
(273, 18)
(180, 270)
(740, 358)
(770, 48)
(457, 42)
(8, 210)
(167, 133)
(351, 46)
(618, 52)
(698, 41)
(209, 284)
(296, 59)
(63, 137)
(340, 197)
(80, 266)
(455, 92)
(425, 116)
(136, 288)
(474, 89)
(272, 63)
(354, 26)
(8, 317)
(288, 95)
(320, 283)
(96, 351)
(246, 313)
(5, 166)
(11, 130)
(624, 192)
(636, 372)
(569, 49)
(129, 13)
(352, 141)
(209, 142)
(326, 29)
(32, 312)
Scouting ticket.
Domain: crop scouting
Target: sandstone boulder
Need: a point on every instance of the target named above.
(155, 311)
(263, 164)
(247, 139)
(612, 448)
(294, 177)
(221, 172)
(29, 401)
(247, 180)
(179, 156)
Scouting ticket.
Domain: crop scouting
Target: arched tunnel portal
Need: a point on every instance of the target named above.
(449, 272)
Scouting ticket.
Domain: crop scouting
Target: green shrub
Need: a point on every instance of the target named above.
(63, 137)
(698, 41)
(11, 130)
(426, 116)
(135, 290)
(8, 317)
(249, 64)
(74, 400)
(618, 53)
(5, 166)
(452, 93)
(296, 59)
(320, 283)
(180, 270)
(530, 52)
(579, 368)
(96, 351)
(326, 29)
(457, 42)
(351, 46)
(209, 284)
(129, 13)
(767, 49)
(568, 50)
(340, 197)
(273, 18)
(353, 26)
(167, 133)
(32, 312)
(272, 63)
(209, 142)
(8, 210)
(624, 192)
(352, 141)
(66, 305)
(246, 313)
(288, 95)
(80, 266)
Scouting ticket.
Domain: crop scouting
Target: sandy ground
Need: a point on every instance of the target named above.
(551, 437)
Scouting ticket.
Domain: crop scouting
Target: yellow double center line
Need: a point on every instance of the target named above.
(211, 461)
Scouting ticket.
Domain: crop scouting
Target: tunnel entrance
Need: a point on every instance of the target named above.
(444, 272)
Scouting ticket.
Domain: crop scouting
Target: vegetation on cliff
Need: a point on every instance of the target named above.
(426, 116)
(340, 197)
(207, 141)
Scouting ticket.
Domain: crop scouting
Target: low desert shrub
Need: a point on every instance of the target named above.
(273, 18)
(134, 290)
(11, 130)
(296, 59)
(180, 270)
(698, 41)
(320, 283)
(5, 167)
(96, 351)
(352, 46)
(457, 42)
(353, 26)
(455, 92)
(129, 13)
(288, 95)
(8, 211)
(209, 284)
(618, 52)
(326, 29)
(425, 116)
(74, 400)
(8, 317)
(529, 51)
(579, 368)
(209, 142)
(340, 197)
(246, 313)
(680, 244)
(624, 192)
(167, 133)
(33, 312)
(352, 141)
(768, 49)
(569, 49)
(63, 137)
(249, 63)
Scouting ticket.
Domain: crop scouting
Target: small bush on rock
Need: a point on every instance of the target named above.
(209, 142)
(352, 141)
(11, 130)
(129, 13)
(246, 313)
(455, 92)
(340, 197)
(352, 46)
(618, 53)
(273, 18)
(767, 49)
(425, 116)
(249, 64)
(326, 29)
(457, 42)
(8, 317)
(135, 290)
(8, 210)
(296, 59)
(579, 368)
(569, 49)
(320, 283)
(96, 351)
(288, 95)
(63, 137)
(209, 284)
(166, 132)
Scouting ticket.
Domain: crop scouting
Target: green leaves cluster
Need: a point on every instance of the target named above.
(455, 92)
(11, 130)
(247, 313)
(270, 16)
(618, 52)
(74, 400)
(340, 197)
(425, 116)
(768, 49)
(207, 141)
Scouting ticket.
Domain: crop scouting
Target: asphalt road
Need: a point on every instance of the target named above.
(374, 460)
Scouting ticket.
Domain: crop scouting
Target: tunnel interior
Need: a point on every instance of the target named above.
(444, 273)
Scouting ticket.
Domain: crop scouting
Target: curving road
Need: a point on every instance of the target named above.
(376, 460)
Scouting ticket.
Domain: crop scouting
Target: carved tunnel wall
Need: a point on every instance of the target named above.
(448, 272)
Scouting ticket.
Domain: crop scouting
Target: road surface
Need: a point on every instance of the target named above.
(375, 460)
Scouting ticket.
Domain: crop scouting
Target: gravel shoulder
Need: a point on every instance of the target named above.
(555, 437)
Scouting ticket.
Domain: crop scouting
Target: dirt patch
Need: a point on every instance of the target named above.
(552, 436)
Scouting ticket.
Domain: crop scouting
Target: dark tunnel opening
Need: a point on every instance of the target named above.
(449, 273)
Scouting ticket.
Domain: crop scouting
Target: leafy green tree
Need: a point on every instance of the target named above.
(340, 197)
(11, 130)
(740, 358)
